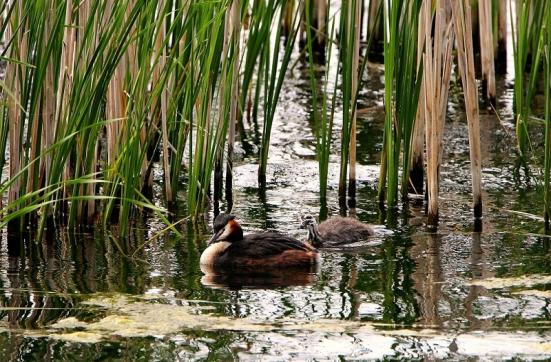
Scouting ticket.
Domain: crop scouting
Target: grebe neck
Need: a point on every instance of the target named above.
(314, 236)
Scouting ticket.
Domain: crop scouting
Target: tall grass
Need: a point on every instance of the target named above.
(98, 89)
(527, 51)
(485, 16)
(323, 122)
(104, 99)
(547, 153)
(273, 73)
(402, 86)
(465, 58)
(228, 97)
(530, 35)
(349, 53)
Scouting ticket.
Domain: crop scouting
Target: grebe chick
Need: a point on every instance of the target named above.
(335, 231)
(228, 247)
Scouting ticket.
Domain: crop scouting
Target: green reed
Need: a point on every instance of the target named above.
(402, 86)
(547, 153)
(102, 99)
(527, 50)
(349, 69)
(107, 89)
(274, 70)
(260, 26)
(210, 135)
(323, 123)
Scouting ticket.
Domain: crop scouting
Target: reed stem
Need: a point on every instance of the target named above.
(437, 71)
(236, 36)
(354, 12)
(547, 92)
(487, 49)
(462, 20)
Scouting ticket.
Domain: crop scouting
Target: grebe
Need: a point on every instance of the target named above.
(228, 247)
(335, 231)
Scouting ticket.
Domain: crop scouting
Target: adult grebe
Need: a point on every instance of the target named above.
(228, 247)
(335, 231)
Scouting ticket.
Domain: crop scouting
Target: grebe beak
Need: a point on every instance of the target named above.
(215, 237)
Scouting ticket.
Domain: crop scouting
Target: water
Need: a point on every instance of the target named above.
(404, 293)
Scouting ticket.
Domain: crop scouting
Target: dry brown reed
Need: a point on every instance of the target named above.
(287, 21)
(437, 62)
(462, 19)
(487, 48)
(373, 25)
(417, 145)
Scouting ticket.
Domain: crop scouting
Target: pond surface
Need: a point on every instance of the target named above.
(404, 293)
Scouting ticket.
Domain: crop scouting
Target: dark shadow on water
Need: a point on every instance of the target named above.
(427, 277)
(249, 278)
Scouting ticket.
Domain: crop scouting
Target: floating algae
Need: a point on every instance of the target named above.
(520, 282)
(130, 317)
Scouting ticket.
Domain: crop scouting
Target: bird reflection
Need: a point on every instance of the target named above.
(266, 278)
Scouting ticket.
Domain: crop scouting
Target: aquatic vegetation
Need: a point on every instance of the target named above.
(274, 70)
(523, 281)
(402, 87)
(463, 35)
(547, 156)
(120, 115)
(111, 109)
(323, 122)
(134, 318)
(528, 45)
(349, 55)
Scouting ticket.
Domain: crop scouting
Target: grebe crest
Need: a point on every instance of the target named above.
(226, 228)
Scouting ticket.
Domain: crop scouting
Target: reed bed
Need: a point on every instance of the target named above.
(274, 70)
(323, 105)
(527, 50)
(132, 81)
(402, 87)
(349, 55)
(103, 100)
(486, 33)
(547, 92)
(463, 29)
(530, 36)
(437, 72)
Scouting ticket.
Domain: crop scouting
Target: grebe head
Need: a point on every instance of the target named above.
(309, 223)
(226, 228)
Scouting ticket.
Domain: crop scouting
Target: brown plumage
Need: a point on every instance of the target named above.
(228, 247)
(335, 231)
